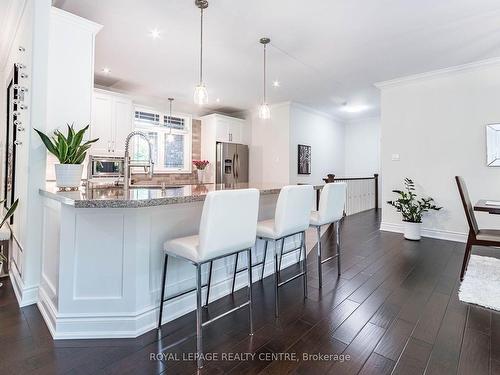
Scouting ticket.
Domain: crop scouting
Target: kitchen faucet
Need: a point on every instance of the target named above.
(128, 164)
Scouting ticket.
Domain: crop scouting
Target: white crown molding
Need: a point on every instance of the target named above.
(76, 20)
(438, 73)
(9, 28)
(439, 234)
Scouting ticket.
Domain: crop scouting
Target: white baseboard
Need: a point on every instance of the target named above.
(25, 295)
(92, 326)
(427, 232)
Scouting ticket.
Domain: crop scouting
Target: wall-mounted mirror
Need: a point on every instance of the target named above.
(493, 145)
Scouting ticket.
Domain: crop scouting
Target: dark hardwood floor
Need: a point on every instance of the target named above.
(394, 310)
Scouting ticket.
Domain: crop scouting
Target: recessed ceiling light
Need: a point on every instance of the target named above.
(155, 33)
(106, 70)
(276, 83)
(354, 108)
(217, 100)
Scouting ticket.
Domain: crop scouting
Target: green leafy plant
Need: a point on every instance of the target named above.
(70, 148)
(6, 217)
(411, 207)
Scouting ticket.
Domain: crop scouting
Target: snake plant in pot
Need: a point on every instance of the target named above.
(70, 150)
(412, 208)
(8, 214)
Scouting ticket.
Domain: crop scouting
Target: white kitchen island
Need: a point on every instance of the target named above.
(102, 255)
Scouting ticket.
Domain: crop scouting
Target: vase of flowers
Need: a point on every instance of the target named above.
(412, 209)
(200, 166)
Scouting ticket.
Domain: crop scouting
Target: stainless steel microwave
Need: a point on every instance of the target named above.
(105, 166)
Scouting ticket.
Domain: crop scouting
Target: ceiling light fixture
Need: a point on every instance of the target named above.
(106, 70)
(200, 91)
(354, 108)
(217, 100)
(155, 33)
(276, 83)
(264, 111)
(170, 136)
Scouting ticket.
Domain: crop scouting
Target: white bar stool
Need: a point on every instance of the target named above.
(291, 218)
(228, 226)
(331, 211)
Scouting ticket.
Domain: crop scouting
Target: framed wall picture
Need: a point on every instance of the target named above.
(304, 159)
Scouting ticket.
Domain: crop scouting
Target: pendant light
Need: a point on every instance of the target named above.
(264, 111)
(200, 91)
(170, 136)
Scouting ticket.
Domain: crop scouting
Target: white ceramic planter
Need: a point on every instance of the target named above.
(412, 230)
(68, 175)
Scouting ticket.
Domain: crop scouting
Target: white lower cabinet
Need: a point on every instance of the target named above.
(112, 121)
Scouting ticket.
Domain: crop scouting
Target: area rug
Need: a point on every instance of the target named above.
(481, 285)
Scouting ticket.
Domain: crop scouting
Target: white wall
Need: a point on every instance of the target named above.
(362, 147)
(325, 135)
(436, 123)
(269, 149)
(274, 142)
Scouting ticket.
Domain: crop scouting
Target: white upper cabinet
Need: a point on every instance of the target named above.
(227, 129)
(112, 121)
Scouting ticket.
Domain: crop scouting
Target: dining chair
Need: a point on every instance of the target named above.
(477, 237)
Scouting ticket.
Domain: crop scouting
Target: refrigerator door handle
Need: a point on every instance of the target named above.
(233, 166)
(236, 166)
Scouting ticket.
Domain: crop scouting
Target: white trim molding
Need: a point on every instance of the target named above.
(438, 73)
(25, 295)
(439, 234)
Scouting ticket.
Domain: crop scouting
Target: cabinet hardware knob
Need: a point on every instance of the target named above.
(20, 66)
(23, 106)
(24, 75)
(18, 143)
(20, 128)
(21, 49)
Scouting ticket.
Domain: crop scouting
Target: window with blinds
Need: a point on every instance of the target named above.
(170, 139)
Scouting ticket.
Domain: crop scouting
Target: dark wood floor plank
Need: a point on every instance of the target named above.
(414, 358)
(475, 354)
(377, 365)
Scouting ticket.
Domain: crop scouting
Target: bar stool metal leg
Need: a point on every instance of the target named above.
(281, 252)
(276, 281)
(264, 261)
(209, 281)
(304, 264)
(164, 279)
(337, 235)
(199, 342)
(320, 273)
(249, 268)
(234, 272)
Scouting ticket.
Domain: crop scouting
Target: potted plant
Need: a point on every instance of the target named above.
(9, 213)
(412, 209)
(200, 168)
(71, 151)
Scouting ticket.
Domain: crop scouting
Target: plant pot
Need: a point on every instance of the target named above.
(412, 230)
(68, 176)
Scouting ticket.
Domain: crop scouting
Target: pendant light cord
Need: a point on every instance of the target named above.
(265, 98)
(201, 47)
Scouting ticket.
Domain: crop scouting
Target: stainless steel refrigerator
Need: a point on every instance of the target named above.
(232, 163)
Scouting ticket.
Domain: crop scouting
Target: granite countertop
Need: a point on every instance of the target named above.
(102, 196)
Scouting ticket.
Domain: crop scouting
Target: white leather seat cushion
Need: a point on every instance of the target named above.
(185, 247)
(265, 229)
(4, 233)
(316, 219)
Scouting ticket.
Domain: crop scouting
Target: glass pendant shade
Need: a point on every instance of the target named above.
(200, 95)
(264, 112)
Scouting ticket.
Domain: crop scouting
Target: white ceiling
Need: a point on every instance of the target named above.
(323, 52)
